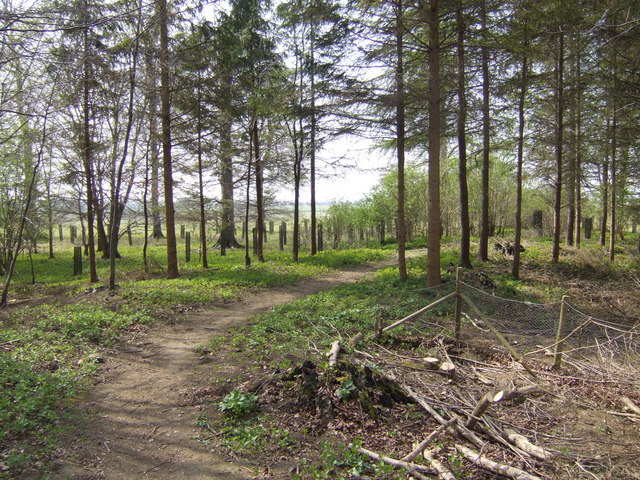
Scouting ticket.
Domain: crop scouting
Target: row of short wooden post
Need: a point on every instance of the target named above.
(186, 235)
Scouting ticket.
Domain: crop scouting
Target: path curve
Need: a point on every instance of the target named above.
(140, 424)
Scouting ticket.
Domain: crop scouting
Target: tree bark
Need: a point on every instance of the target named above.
(515, 267)
(227, 229)
(172, 247)
(433, 229)
(400, 138)
(118, 203)
(87, 147)
(559, 148)
(203, 216)
(605, 192)
(578, 145)
(312, 146)
(483, 249)
(154, 149)
(612, 237)
(259, 165)
(465, 230)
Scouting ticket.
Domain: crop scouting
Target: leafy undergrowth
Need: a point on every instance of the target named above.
(48, 352)
(45, 360)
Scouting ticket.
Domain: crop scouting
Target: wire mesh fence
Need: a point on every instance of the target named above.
(535, 329)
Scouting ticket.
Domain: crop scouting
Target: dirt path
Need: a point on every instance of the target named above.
(140, 424)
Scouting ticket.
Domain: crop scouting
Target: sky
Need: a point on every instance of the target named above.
(359, 171)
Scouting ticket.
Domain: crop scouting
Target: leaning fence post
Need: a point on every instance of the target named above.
(559, 345)
(458, 304)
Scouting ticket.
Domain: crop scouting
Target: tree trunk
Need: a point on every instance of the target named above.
(572, 173)
(165, 86)
(483, 248)
(465, 230)
(578, 146)
(154, 149)
(515, 267)
(87, 149)
(203, 216)
(259, 165)
(118, 204)
(612, 237)
(145, 211)
(605, 193)
(433, 231)
(50, 210)
(312, 146)
(247, 258)
(559, 148)
(227, 229)
(400, 138)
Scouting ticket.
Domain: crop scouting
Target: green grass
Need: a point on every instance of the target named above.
(317, 320)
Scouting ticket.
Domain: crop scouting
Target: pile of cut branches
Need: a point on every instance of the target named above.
(495, 417)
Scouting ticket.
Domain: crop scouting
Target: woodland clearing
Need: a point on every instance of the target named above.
(154, 410)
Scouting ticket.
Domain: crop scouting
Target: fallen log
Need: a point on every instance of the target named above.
(524, 444)
(630, 405)
(495, 467)
(443, 472)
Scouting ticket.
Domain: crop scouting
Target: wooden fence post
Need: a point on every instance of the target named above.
(60, 234)
(458, 307)
(77, 260)
(559, 346)
(254, 232)
(187, 246)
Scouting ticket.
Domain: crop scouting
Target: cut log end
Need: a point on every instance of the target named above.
(332, 354)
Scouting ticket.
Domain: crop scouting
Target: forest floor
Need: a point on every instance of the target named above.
(152, 412)
(139, 420)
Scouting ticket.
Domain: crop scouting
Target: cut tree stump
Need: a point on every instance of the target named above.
(332, 354)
